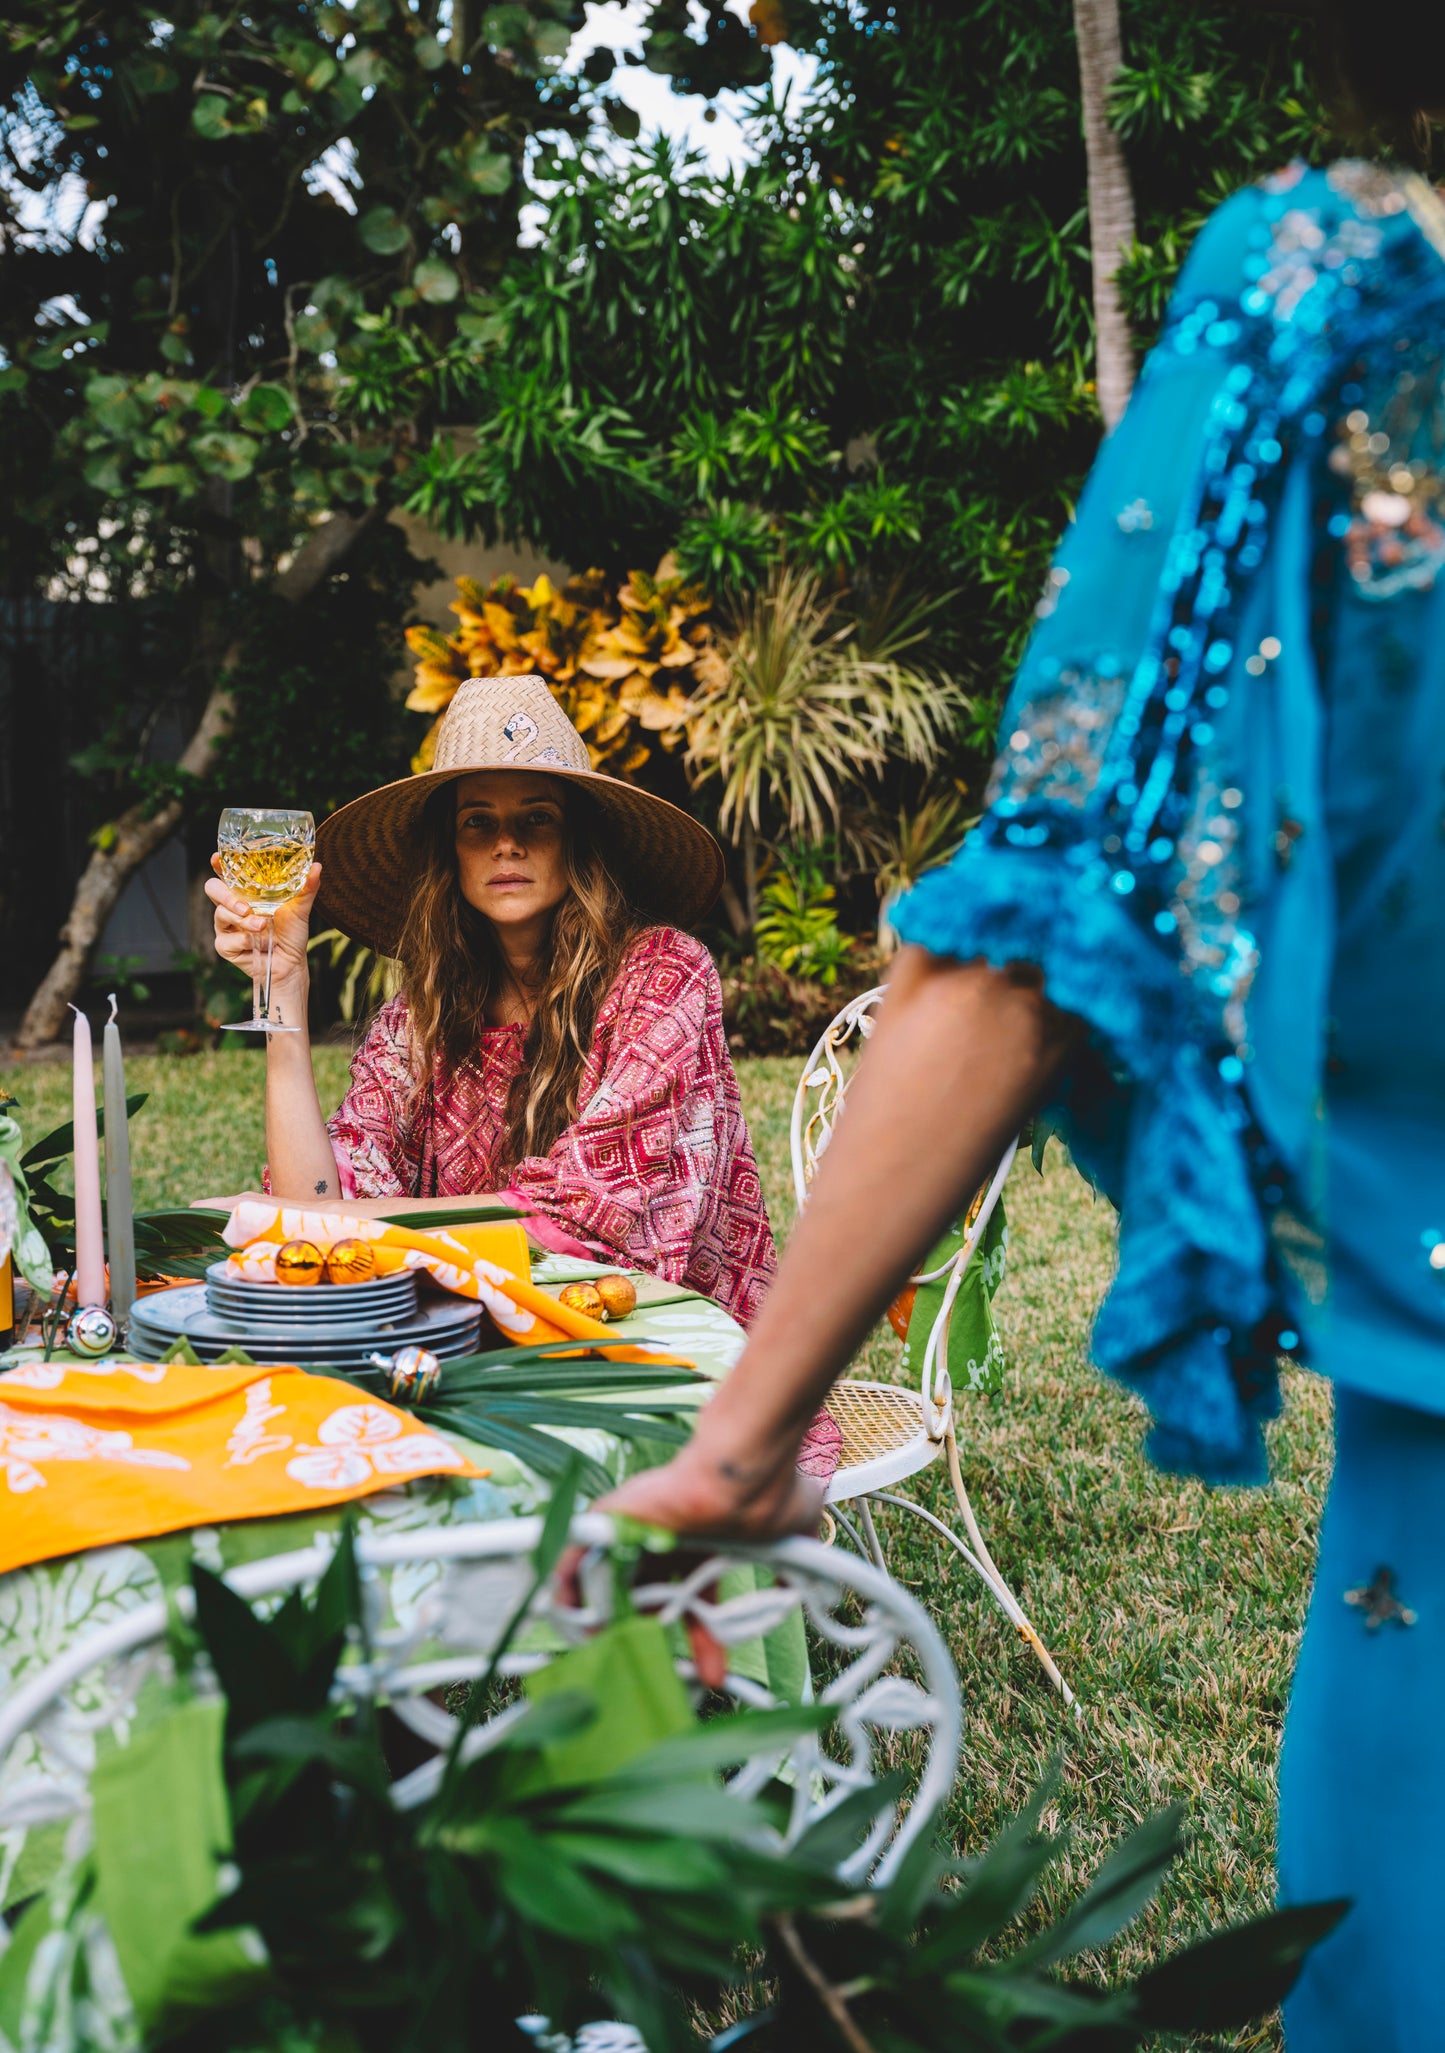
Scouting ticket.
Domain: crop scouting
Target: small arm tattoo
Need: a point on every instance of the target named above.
(322, 1188)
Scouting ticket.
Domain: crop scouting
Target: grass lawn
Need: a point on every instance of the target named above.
(1174, 1611)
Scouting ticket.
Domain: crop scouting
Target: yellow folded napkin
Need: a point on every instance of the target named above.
(489, 1262)
(99, 1452)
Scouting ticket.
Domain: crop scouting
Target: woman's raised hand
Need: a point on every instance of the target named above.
(241, 932)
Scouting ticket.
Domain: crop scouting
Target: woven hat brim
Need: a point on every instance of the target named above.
(669, 863)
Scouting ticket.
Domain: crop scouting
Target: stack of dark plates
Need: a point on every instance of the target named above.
(340, 1324)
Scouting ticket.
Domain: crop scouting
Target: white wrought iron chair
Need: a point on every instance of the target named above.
(891, 1433)
(462, 1583)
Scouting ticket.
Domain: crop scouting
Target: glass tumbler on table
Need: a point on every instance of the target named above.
(266, 853)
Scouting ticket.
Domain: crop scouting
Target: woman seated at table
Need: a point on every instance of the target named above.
(556, 1044)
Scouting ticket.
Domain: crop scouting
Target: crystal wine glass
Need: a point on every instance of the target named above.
(266, 853)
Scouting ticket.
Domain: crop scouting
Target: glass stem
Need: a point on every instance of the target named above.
(270, 944)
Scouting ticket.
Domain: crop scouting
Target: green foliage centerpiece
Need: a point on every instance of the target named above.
(265, 1893)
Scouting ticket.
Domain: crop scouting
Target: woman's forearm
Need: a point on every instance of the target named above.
(962, 1055)
(298, 1147)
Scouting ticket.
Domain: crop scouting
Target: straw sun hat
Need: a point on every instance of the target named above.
(371, 850)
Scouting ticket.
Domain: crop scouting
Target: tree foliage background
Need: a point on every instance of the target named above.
(868, 352)
(872, 347)
(239, 251)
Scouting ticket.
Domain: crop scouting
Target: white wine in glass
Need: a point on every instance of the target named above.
(266, 853)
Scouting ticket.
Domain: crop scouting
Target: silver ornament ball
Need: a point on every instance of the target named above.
(91, 1330)
(412, 1373)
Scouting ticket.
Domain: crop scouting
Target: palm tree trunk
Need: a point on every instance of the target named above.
(750, 870)
(1111, 201)
(733, 909)
(137, 834)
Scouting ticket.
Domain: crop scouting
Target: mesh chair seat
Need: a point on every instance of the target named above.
(875, 1419)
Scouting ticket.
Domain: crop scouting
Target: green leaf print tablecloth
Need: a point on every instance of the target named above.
(45, 1609)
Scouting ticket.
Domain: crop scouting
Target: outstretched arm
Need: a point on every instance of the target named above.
(962, 1055)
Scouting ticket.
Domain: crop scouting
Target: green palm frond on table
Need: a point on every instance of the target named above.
(504, 1399)
(178, 1240)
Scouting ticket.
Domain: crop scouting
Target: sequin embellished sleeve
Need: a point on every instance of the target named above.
(377, 1153)
(657, 1169)
(1155, 837)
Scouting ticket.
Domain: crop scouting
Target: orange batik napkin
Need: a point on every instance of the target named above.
(94, 1453)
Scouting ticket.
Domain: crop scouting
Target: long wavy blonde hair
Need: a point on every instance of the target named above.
(452, 967)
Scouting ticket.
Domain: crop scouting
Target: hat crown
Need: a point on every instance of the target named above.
(505, 723)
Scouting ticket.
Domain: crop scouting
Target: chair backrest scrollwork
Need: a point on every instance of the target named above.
(817, 1106)
(465, 1581)
(823, 1086)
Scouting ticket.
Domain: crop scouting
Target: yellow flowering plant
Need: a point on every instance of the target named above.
(625, 662)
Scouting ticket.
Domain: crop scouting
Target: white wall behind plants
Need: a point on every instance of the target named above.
(431, 600)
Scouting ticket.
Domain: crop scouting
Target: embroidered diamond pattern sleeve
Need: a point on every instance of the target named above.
(658, 1169)
(378, 1154)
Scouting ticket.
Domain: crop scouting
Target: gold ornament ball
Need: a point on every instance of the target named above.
(412, 1373)
(90, 1331)
(618, 1295)
(299, 1261)
(583, 1297)
(350, 1261)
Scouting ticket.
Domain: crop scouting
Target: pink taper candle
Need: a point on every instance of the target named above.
(89, 1245)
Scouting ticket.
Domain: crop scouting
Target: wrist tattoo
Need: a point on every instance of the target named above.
(739, 1472)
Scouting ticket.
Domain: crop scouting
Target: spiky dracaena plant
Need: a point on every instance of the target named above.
(806, 711)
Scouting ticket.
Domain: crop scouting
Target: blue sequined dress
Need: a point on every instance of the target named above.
(1218, 818)
(1217, 822)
